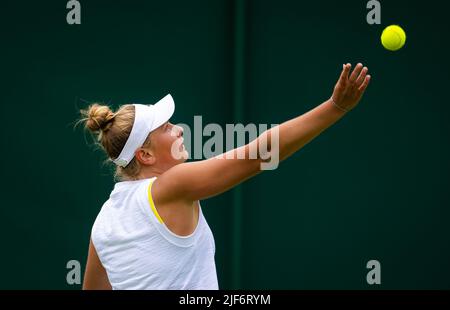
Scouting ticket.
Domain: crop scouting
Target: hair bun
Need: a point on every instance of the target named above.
(99, 117)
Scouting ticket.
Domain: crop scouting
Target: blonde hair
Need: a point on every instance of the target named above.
(112, 130)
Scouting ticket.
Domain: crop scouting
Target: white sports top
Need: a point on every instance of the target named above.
(138, 251)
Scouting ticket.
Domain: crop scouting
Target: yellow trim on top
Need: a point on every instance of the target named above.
(152, 204)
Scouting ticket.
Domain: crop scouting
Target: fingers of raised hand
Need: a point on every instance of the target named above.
(361, 76)
(355, 73)
(344, 74)
(364, 84)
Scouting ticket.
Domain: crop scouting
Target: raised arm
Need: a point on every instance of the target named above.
(297, 132)
(202, 179)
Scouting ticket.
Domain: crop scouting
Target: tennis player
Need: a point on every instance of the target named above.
(151, 233)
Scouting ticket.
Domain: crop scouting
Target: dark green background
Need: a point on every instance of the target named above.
(373, 186)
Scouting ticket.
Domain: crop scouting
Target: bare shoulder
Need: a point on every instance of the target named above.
(179, 214)
(163, 188)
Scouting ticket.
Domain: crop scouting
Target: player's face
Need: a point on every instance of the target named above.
(167, 145)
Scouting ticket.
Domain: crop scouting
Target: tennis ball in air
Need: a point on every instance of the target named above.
(393, 38)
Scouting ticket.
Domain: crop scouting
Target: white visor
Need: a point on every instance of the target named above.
(146, 119)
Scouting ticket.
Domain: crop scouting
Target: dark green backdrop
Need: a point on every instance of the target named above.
(374, 186)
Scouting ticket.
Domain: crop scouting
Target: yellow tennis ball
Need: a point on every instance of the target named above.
(393, 37)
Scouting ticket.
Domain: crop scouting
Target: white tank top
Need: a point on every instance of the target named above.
(138, 250)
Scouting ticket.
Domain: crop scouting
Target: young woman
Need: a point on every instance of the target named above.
(151, 232)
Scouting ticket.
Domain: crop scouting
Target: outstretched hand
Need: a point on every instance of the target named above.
(350, 87)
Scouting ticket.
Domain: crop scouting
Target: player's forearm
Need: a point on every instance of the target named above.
(297, 132)
(292, 135)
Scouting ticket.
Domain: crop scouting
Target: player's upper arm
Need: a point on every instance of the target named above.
(202, 179)
(95, 277)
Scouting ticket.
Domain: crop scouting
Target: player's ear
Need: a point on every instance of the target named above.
(145, 156)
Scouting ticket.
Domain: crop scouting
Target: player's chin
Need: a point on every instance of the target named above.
(181, 156)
